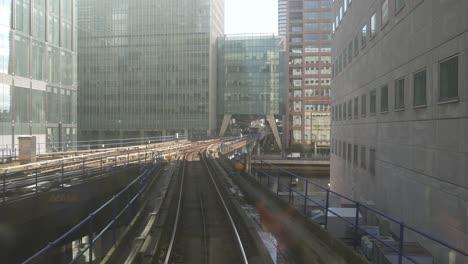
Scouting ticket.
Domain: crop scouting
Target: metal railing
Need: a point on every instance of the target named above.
(8, 154)
(228, 145)
(56, 175)
(123, 205)
(444, 250)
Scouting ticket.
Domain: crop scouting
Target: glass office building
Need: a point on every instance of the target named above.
(147, 68)
(38, 92)
(248, 77)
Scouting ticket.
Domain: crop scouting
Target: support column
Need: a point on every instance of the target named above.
(271, 119)
(224, 125)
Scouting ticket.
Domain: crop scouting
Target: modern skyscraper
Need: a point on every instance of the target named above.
(38, 72)
(309, 31)
(400, 114)
(249, 79)
(148, 68)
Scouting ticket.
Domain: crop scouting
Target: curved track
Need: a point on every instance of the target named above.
(203, 231)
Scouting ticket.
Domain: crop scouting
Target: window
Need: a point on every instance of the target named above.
(311, 15)
(350, 52)
(419, 88)
(311, 5)
(400, 93)
(311, 26)
(363, 157)
(345, 115)
(349, 153)
(350, 109)
(311, 48)
(363, 105)
(399, 4)
(356, 45)
(356, 107)
(364, 36)
(325, 48)
(355, 155)
(373, 24)
(384, 99)
(372, 161)
(340, 112)
(448, 82)
(384, 12)
(373, 102)
(344, 150)
(297, 93)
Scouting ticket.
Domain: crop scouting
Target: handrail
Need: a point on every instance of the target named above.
(261, 170)
(147, 173)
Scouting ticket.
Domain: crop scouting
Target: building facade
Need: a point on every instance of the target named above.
(38, 72)
(400, 113)
(249, 79)
(147, 68)
(309, 28)
(282, 17)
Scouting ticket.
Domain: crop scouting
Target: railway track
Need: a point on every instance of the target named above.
(21, 181)
(204, 230)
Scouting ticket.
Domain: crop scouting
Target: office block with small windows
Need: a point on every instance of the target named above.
(400, 108)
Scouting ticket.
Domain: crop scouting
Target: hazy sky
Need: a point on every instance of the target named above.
(251, 16)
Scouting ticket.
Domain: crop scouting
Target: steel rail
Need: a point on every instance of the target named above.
(233, 225)
(179, 205)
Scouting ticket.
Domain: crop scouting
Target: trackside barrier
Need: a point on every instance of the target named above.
(8, 154)
(229, 146)
(120, 209)
(401, 247)
(34, 178)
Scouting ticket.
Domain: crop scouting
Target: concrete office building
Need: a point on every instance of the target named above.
(249, 80)
(309, 31)
(400, 113)
(38, 72)
(147, 68)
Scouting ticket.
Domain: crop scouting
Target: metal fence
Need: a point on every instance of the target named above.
(9, 154)
(400, 245)
(32, 181)
(122, 207)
